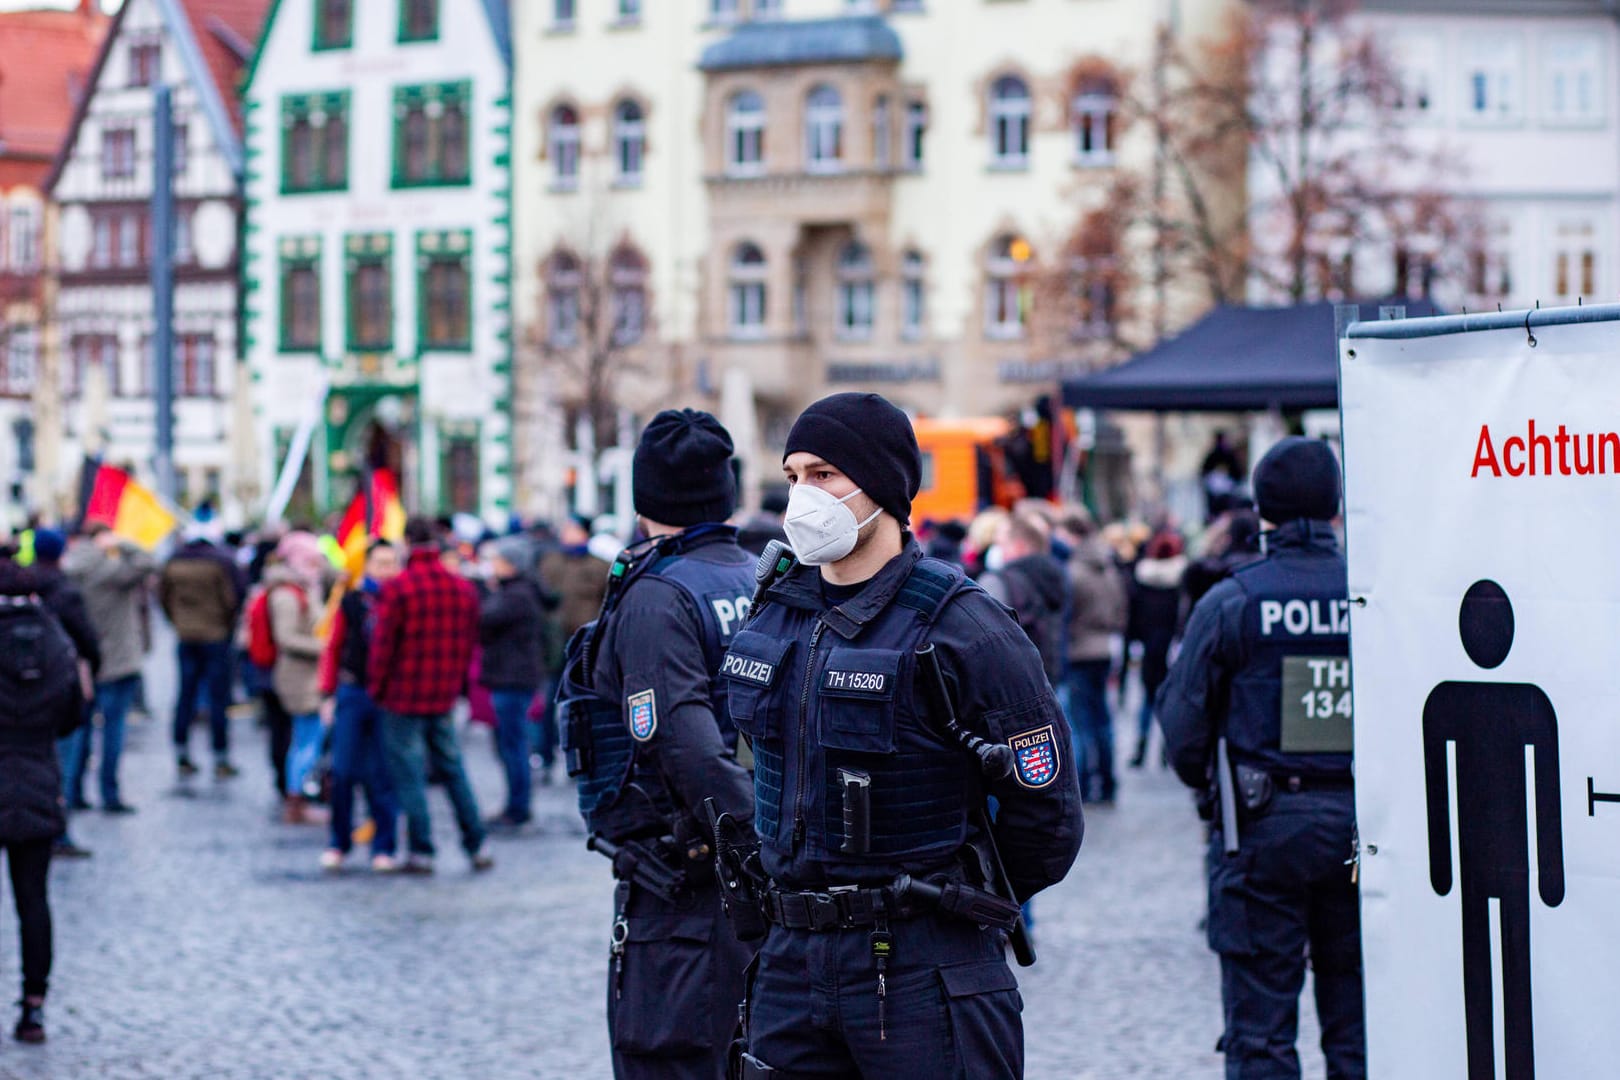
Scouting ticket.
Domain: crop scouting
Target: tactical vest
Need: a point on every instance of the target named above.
(1289, 704)
(808, 697)
(597, 740)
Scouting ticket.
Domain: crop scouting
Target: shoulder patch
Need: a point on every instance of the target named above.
(1036, 756)
(643, 715)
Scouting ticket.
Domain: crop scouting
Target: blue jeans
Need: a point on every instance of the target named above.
(412, 744)
(1093, 726)
(512, 740)
(113, 701)
(307, 736)
(357, 758)
(204, 667)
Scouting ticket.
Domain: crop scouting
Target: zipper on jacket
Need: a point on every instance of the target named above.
(804, 734)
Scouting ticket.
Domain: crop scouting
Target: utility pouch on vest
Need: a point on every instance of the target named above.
(1255, 789)
(855, 787)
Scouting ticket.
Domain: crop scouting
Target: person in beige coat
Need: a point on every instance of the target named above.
(294, 586)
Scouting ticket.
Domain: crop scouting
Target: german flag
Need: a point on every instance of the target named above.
(375, 513)
(110, 497)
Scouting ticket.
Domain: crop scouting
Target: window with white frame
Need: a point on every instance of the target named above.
(129, 240)
(182, 235)
(882, 134)
(22, 354)
(1006, 295)
(1009, 123)
(117, 153)
(745, 134)
(629, 141)
(22, 238)
(767, 9)
(824, 130)
(856, 291)
(1572, 79)
(1575, 268)
(1093, 114)
(916, 135)
(627, 282)
(745, 315)
(1493, 70)
(724, 11)
(629, 11)
(563, 282)
(1418, 62)
(101, 241)
(913, 296)
(564, 145)
(562, 14)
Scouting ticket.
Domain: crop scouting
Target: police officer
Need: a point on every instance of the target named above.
(1264, 666)
(858, 782)
(676, 971)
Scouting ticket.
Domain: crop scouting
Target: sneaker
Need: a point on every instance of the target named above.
(481, 861)
(224, 770)
(31, 1024)
(383, 864)
(79, 803)
(67, 849)
(117, 808)
(505, 823)
(186, 766)
(332, 859)
(419, 865)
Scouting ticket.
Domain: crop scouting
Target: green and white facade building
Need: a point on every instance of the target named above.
(377, 269)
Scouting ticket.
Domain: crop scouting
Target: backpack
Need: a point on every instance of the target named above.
(261, 641)
(39, 669)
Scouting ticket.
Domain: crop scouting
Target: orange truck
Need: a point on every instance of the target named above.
(964, 468)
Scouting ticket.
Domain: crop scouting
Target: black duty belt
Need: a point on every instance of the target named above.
(1292, 785)
(842, 907)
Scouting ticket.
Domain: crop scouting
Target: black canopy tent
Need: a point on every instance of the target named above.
(1235, 359)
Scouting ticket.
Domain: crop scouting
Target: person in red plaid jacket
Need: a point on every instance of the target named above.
(421, 653)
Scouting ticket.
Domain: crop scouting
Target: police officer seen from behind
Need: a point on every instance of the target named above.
(674, 603)
(885, 949)
(1262, 685)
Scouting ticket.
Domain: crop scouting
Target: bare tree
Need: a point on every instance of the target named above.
(1282, 151)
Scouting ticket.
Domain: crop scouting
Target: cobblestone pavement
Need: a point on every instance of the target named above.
(202, 941)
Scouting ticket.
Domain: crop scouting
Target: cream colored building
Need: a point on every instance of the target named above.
(747, 204)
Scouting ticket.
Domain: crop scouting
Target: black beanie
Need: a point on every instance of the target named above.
(682, 471)
(868, 440)
(1298, 478)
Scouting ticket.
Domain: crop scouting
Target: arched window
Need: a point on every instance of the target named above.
(627, 282)
(855, 291)
(1093, 115)
(746, 314)
(745, 134)
(913, 296)
(563, 282)
(629, 141)
(824, 130)
(1006, 294)
(1009, 122)
(563, 142)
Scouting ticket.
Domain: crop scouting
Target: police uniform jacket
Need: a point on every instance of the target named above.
(820, 689)
(1287, 612)
(657, 658)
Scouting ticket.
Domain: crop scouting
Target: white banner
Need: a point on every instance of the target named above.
(1482, 496)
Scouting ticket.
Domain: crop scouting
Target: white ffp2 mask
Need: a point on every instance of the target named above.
(821, 528)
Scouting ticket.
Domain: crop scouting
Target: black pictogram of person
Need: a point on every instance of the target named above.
(1491, 724)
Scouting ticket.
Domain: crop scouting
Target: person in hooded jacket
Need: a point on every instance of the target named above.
(1281, 892)
(1155, 616)
(296, 598)
(41, 700)
(512, 632)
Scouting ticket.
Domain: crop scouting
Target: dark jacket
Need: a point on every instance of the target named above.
(201, 593)
(1038, 592)
(512, 631)
(33, 716)
(64, 600)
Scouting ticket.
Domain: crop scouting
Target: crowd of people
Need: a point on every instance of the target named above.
(357, 676)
